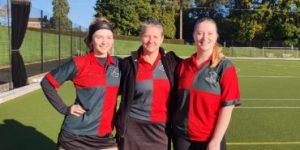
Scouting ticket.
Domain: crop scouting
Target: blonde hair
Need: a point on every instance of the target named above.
(151, 23)
(217, 54)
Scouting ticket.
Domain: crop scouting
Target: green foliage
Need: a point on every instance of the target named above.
(60, 18)
(128, 15)
(166, 16)
(266, 20)
(238, 20)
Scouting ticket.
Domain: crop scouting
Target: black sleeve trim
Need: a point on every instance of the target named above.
(235, 102)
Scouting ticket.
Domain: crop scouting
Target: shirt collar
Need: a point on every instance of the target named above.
(109, 59)
(142, 60)
(195, 62)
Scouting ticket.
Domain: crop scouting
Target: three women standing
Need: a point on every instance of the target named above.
(206, 91)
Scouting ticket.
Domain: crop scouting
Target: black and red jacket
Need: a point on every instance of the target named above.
(129, 69)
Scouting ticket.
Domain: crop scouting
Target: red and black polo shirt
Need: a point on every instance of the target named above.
(151, 92)
(96, 91)
(202, 91)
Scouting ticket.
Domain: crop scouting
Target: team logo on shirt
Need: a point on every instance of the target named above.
(212, 77)
(115, 72)
(161, 68)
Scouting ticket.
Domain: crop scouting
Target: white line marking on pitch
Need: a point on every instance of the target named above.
(268, 107)
(245, 76)
(269, 99)
(263, 143)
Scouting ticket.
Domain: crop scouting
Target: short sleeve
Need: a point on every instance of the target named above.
(230, 93)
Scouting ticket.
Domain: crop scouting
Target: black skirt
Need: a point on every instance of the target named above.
(144, 135)
(69, 141)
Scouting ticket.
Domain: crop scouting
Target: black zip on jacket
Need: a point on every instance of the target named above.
(128, 81)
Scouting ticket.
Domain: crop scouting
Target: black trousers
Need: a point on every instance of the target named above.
(180, 143)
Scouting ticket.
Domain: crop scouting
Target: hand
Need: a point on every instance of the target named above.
(213, 145)
(76, 110)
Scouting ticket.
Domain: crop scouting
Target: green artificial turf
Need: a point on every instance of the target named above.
(32, 122)
(29, 122)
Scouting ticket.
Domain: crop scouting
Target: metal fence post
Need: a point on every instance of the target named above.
(59, 38)
(80, 39)
(42, 43)
(71, 41)
(9, 48)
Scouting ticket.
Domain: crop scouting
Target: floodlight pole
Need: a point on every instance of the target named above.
(42, 42)
(71, 36)
(180, 22)
(59, 37)
(9, 47)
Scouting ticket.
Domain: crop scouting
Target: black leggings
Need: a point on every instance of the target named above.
(184, 144)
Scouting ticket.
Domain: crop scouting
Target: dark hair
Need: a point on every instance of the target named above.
(97, 24)
(151, 23)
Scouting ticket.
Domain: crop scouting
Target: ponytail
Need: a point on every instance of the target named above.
(217, 56)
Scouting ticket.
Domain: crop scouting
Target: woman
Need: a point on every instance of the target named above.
(147, 81)
(88, 122)
(207, 93)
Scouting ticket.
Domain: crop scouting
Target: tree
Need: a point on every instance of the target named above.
(128, 15)
(266, 20)
(165, 12)
(284, 24)
(60, 18)
(124, 14)
(3, 11)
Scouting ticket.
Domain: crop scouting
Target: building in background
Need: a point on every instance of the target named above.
(34, 23)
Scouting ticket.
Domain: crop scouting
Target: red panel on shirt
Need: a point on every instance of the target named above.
(186, 74)
(203, 111)
(108, 110)
(160, 100)
(144, 72)
(229, 85)
(145, 68)
(90, 75)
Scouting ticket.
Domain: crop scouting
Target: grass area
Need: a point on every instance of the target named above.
(268, 118)
(31, 122)
(31, 48)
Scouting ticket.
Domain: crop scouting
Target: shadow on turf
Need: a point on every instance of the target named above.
(15, 136)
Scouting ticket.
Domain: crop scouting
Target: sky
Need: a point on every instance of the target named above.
(81, 11)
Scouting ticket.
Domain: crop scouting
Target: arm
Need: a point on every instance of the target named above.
(221, 127)
(53, 80)
(56, 101)
(230, 98)
(54, 98)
